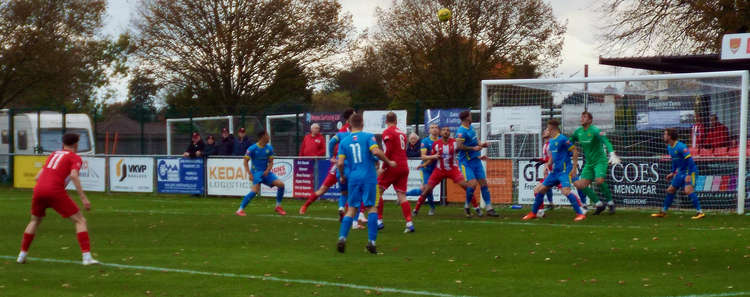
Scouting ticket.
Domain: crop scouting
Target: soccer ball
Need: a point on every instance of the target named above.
(540, 213)
(444, 14)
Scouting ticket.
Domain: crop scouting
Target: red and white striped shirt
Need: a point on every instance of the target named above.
(545, 153)
(447, 154)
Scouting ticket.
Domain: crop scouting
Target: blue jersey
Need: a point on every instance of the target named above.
(359, 164)
(682, 161)
(259, 156)
(336, 139)
(560, 149)
(427, 143)
(469, 138)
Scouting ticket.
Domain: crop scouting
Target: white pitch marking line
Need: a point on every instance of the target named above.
(249, 276)
(717, 294)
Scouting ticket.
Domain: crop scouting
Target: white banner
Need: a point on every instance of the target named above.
(529, 175)
(375, 120)
(415, 182)
(227, 177)
(522, 119)
(93, 175)
(735, 46)
(604, 116)
(131, 175)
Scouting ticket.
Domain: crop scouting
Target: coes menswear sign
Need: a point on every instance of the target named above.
(131, 174)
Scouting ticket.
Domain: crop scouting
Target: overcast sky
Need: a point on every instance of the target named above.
(579, 47)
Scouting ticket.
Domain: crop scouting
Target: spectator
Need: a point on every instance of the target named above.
(241, 143)
(717, 134)
(226, 145)
(4, 177)
(314, 144)
(413, 147)
(195, 148)
(698, 133)
(210, 148)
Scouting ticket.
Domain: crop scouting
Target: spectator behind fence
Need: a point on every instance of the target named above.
(241, 143)
(413, 147)
(314, 144)
(225, 147)
(698, 133)
(210, 147)
(717, 133)
(195, 148)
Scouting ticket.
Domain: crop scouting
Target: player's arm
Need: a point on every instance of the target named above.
(574, 159)
(381, 155)
(268, 166)
(77, 183)
(340, 166)
(613, 158)
(691, 166)
(332, 144)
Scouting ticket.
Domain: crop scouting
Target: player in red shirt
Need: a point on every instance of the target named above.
(394, 142)
(49, 192)
(444, 153)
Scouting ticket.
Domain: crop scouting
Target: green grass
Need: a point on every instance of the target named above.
(628, 254)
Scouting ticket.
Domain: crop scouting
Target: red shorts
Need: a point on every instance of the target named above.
(331, 178)
(59, 201)
(398, 177)
(439, 174)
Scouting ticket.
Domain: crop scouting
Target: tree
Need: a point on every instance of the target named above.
(672, 26)
(51, 56)
(442, 63)
(228, 52)
(141, 103)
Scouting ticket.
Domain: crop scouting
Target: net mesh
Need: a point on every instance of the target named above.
(705, 112)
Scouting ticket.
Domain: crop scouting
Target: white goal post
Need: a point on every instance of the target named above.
(639, 107)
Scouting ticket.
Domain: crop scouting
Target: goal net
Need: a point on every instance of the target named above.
(709, 111)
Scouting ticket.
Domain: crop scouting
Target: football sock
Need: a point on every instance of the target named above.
(372, 226)
(538, 200)
(549, 195)
(431, 200)
(574, 202)
(279, 196)
(406, 210)
(606, 193)
(419, 203)
(696, 202)
(83, 241)
(346, 225)
(380, 207)
(414, 192)
(469, 196)
(589, 192)
(26, 243)
(246, 200)
(312, 199)
(668, 202)
(581, 195)
(486, 196)
(342, 200)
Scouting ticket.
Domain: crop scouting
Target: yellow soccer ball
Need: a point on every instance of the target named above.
(444, 15)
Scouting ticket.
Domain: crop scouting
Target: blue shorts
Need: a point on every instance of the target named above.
(563, 178)
(473, 169)
(362, 194)
(426, 175)
(678, 181)
(267, 180)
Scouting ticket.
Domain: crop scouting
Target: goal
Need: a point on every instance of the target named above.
(709, 110)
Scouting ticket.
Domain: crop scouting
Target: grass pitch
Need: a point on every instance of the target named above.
(159, 245)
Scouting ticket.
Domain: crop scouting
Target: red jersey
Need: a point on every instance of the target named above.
(345, 128)
(394, 142)
(446, 151)
(56, 170)
(545, 153)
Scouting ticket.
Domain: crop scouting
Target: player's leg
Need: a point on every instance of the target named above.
(399, 185)
(273, 181)
(328, 182)
(549, 195)
(539, 192)
(28, 237)
(481, 176)
(435, 177)
(566, 182)
(600, 171)
(82, 234)
(370, 202)
(354, 201)
(690, 192)
(254, 190)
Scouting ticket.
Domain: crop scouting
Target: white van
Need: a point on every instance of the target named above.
(48, 137)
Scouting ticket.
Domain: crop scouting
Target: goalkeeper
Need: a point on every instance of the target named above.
(592, 140)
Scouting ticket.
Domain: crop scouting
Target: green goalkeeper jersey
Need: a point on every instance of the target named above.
(592, 140)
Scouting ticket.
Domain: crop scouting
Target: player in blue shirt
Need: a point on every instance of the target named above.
(470, 159)
(358, 170)
(261, 154)
(426, 168)
(683, 174)
(560, 149)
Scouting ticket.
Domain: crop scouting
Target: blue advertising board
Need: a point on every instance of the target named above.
(334, 192)
(180, 176)
(442, 117)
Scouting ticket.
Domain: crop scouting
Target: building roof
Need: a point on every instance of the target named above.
(678, 64)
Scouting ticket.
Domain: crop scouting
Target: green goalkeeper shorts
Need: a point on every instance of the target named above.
(594, 170)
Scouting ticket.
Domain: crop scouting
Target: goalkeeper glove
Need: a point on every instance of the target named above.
(614, 159)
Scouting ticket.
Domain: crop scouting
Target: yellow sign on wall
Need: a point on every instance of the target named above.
(25, 169)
